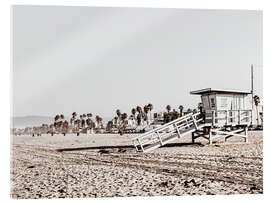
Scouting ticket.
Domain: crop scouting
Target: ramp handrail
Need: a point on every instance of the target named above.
(230, 116)
(167, 132)
(166, 125)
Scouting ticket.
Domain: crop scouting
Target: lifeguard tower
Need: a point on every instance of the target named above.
(224, 113)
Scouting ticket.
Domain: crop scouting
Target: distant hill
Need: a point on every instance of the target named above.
(29, 121)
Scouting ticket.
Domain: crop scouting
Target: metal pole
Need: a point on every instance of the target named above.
(252, 84)
(252, 92)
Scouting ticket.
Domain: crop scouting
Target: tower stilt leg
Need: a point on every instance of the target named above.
(246, 134)
(193, 138)
(210, 137)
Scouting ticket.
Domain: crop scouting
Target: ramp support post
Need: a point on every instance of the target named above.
(161, 143)
(246, 134)
(178, 132)
(141, 145)
(135, 145)
(210, 136)
(193, 137)
(194, 122)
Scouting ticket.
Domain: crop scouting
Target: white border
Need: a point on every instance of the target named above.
(5, 77)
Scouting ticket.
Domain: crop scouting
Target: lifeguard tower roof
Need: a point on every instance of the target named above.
(220, 91)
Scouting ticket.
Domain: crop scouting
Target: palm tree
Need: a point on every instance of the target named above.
(175, 114)
(99, 121)
(71, 121)
(118, 113)
(139, 109)
(109, 126)
(181, 108)
(88, 122)
(168, 107)
(139, 119)
(166, 117)
(133, 112)
(115, 120)
(74, 114)
(56, 118)
(256, 102)
(65, 127)
(139, 116)
(83, 123)
(123, 116)
(93, 125)
(77, 123)
(123, 123)
(73, 118)
(51, 129)
(150, 107)
(56, 122)
(62, 116)
(146, 110)
(81, 118)
(61, 122)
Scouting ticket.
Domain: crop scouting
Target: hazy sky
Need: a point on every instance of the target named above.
(90, 59)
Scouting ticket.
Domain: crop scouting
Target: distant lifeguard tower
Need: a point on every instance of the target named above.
(224, 113)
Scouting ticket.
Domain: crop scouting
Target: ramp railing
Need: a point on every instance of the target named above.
(229, 117)
(167, 132)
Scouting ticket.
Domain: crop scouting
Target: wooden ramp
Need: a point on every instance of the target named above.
(168, 132)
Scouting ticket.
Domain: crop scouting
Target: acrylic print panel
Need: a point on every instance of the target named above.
(107, 102)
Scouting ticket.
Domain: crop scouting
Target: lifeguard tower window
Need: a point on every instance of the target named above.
(213, 105)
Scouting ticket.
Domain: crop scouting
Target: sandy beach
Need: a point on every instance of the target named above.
(107, 165)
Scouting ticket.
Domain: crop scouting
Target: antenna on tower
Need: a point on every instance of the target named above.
(252, 92)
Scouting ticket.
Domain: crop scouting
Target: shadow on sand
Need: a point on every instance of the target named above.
(126, 147)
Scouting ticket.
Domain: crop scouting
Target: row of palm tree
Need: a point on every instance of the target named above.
(76, 123)
(79, 123)
(139, 115)
(83, 122)
(171, 115)
(143, 116)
